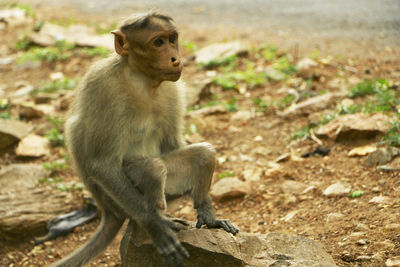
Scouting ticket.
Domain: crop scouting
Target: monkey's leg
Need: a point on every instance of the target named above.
(149, 176)
(190, 169)
(105, 233)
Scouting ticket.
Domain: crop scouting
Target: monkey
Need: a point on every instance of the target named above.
(124, 133)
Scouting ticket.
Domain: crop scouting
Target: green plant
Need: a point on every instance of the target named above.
(226, 81)
(55, 166)
(225, 174)
(96, 51)
(189, 46)
(231, 105)
(350, 109)
(357, 193)
(368, 87)
(71, 186)
(50, 180)
(58, 85)
(286, 101)
(284, 65)
(270, 52)
(301, 133)
(37, 54)
(55, 135)
(392, 136)
(261, 106)
(230, 61)
(23, 42)
(5, 115)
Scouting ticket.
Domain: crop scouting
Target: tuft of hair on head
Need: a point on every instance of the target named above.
(142, 20)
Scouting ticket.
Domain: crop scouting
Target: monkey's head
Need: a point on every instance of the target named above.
(150, 42)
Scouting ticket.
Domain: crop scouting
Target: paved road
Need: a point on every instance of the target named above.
(353, 19)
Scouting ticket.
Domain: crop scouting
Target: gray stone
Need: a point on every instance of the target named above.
(215, 247)
(220, 50)
(227, 188)
(25, 206)
(336, 189)
(381, 156)
(196, 88)
(355, 126)
(311, 105)
(12, 131)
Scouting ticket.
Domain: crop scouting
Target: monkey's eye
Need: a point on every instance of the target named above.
(158, 42)
(172, 38)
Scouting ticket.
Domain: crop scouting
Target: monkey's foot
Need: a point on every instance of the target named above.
(224, 224)
(166, 242)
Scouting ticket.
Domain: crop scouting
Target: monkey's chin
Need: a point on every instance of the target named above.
(173, 77)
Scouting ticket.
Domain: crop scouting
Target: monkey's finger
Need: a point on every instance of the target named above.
(200, 222)
(229, 227)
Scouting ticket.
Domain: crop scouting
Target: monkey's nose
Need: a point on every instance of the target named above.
(175, 61)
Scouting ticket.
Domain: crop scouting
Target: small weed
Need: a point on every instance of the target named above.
(71, 186)
(50, 180)
(23, 42)
(357, 193)
(261, 106)
(229, 62)
(368, 87)
(190, 46)
(226, 81)
(208, 104)
(270, 53)
(37, 54)
(231, 105)
(301, 133)
(284, 65)
(96, 51)
(314, 54)
(58, 85)
(286, 101)
(225, 174)
(327, 118)
(5, 115)
(55, 135)
(350, 109)
(392, 136)
(55, 166)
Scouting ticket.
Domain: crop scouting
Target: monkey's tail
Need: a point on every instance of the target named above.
(103, 236)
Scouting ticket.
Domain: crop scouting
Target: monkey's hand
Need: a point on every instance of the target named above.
(215, 223)
(167, 244)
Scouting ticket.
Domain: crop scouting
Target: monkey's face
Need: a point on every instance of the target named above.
(156, 51)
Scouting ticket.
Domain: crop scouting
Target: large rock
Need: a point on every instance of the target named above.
(33, 146)
(215, 247)
(81, 35)
(26, 208)
(217, 51)
(12, 131)
(227, 188)
(358, 125)
(311, 105)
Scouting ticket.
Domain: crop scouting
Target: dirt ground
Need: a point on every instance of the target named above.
(362, 231)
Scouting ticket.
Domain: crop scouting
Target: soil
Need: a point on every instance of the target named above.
(361, 231)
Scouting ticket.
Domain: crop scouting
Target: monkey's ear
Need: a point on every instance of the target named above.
(120, 43)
